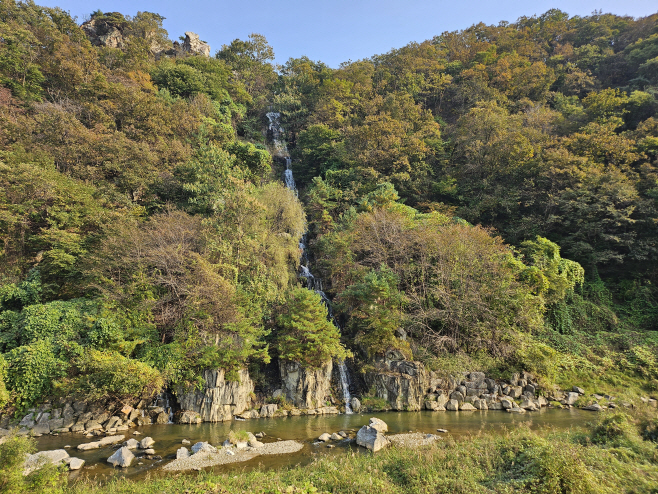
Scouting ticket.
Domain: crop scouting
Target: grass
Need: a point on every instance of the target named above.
(610, 458)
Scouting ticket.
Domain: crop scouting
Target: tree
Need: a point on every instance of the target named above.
(304, 333)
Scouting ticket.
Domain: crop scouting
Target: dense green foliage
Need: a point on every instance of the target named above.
(489, 194)
(305, 334)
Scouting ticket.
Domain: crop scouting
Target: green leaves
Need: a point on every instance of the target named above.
(304, 333)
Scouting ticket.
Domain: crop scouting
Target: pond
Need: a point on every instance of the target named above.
(306, 429)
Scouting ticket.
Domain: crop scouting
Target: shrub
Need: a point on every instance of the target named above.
(613, 429)
(31, 371)
(4, 394)
(111, 375)
(49, 479)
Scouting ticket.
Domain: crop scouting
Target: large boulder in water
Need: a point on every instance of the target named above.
(123, 457)
(378, 424)
(371, 438)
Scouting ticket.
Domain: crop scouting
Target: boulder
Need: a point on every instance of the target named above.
(336, 437)
(203, 447)
(507, 404)
(37, 460)
(578, 390)
(146, 443)
(570, 398)
(324, 437)
(188, 417)
(41, 428)
(356, 404)
(182, 453)
(112, 422)
(75, 463)
(371, 438)
(457, 395)
(123, 457)
(378, 424)
(162, 418)
(131, 443)
(467, 407)
(306, 388)
(481, 405)
(515, 392)
(268, 411)
(495, 405)
(452, 405)
(594, 407)
(528, 405)
(106, 441)
(516, 410)
(218, 400)
(92, 425)
(149, 451)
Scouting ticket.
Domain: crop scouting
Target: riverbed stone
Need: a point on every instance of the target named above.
(516, 410)
(203, 447)
(75, 463)
(467, 407)
(452, 405)
(324, 437)
(570, 398)
(356, 404)
(594, 407)
(37, 460)
(182, 452)
(481, 404)
(131, 443)
(507, 404)
(370, 438)
(515, 392)
(378, 424)
(105, 441)
(146, 443)
(336, 437)
(123, 457)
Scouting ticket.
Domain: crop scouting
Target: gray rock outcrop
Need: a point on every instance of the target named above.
(306, 388)
(400, 382)
(219, 400)
(193, 45)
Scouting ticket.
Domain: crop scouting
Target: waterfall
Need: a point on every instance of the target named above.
(312, 283)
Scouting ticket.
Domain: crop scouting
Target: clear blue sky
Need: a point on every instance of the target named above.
(339, 30)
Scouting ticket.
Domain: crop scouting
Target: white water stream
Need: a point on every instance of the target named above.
(312, 282)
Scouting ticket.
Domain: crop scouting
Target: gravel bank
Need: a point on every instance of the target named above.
(413, 440)
(221, 457)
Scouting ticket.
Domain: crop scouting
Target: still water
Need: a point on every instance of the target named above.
(306, 429)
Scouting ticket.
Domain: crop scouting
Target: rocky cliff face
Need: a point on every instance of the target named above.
(194, 46)
(219, 400)
(306, 388)
(401, 382)
(103, 33)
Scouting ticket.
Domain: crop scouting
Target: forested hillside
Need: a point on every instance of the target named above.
(486, 198)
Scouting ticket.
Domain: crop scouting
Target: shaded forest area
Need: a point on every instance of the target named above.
(486, 198)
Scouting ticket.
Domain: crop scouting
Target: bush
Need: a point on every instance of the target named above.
(4, 394)
(48, 479)
(613, 429)
(32, 370)
(111, 375)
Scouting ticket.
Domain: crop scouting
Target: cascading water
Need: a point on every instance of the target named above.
(312, 282)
